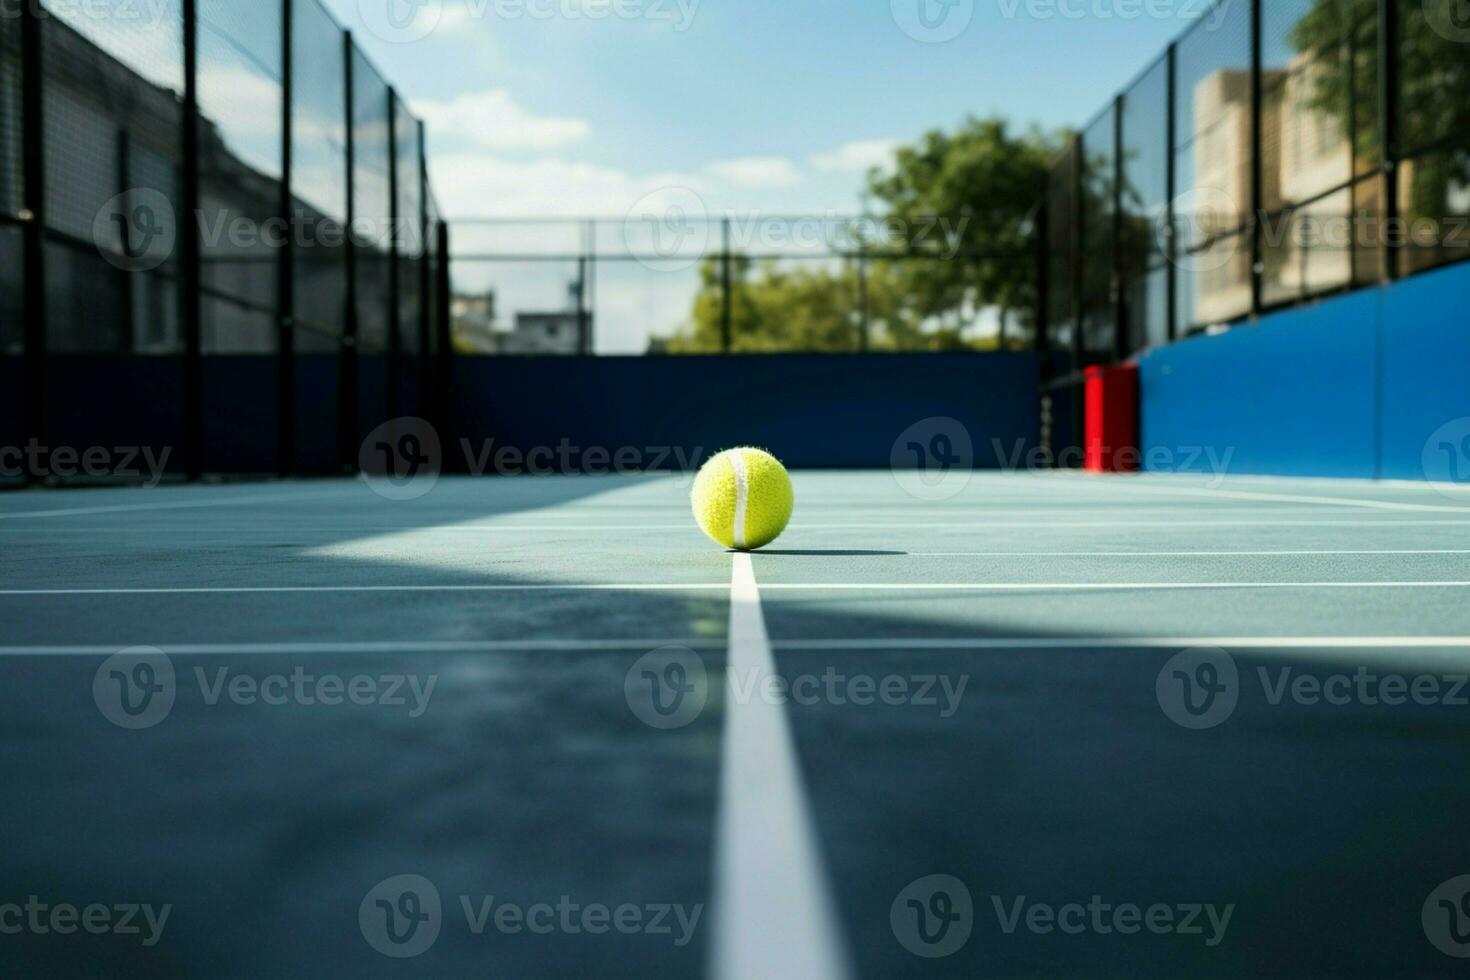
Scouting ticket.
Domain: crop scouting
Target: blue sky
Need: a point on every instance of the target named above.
(545, 107)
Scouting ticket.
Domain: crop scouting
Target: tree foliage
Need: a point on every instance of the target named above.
(948, 253)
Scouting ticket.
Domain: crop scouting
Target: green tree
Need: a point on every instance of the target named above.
(965, 201)
(950, 243)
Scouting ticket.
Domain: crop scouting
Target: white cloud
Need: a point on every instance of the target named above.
(857, 157)
(482, 184)
(492, 119)
(757, 172)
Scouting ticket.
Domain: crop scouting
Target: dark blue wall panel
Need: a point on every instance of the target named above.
(1426, 372)
(117, 403)
(12, 430)
(372, 394)
(241, 413)
(1294, 395)
(316, 409)
(812, 411)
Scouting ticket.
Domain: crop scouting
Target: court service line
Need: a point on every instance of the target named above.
(808, 645)
(773, 587)
(286, 530)
(169, 505)
(774, 913)
(1372, 553)
(1260, 495)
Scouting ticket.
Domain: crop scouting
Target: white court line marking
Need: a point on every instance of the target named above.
(168, 505)
(1280, 498)
(267, 589)
(774, 914)
(775, 587)
(1179, 554)
(286, 530)
(705, 643)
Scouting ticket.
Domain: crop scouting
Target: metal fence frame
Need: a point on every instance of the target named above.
(433, 356)
(724, 253)
(1393, 154)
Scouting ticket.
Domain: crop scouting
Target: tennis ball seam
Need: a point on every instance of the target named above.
(742, 497)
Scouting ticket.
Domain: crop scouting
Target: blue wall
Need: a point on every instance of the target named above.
(1351, 387)
(811, 410)
(12, 404)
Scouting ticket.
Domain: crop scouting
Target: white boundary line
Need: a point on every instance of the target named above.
(286, 529)
(1153, 490)
(1181, 554)
(18, 515)
(773, 587)
(774, 913)
(857, 645)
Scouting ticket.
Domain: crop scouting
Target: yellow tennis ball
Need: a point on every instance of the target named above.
(743, 499)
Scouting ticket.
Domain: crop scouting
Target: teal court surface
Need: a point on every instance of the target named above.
(1035, 725)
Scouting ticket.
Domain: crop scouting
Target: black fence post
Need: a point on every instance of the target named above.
(1171, 191)
(426, 330)
(1388, 98)
(727, 290)
(444, 389)
(33, 230)
(1079, 233)
(395, 326)
(191, 313)
(285, 267)
(1043, 270)
(1119, 289)
(1256, 221)
(348, 375)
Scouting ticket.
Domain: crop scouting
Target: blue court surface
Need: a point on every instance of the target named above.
(1023, 725)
